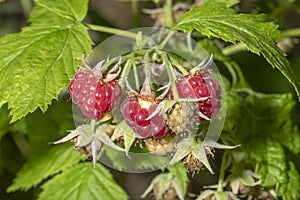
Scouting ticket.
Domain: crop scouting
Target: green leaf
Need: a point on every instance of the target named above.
(104, 138)
(221, 195)
(276, 111)
(43, 165)
(129, 136)
(83, 182)
(135, 161)
(37, 63)
(57, 11)
(215, 19)
(199, 152)
(272, 166)
(180, 173)
(265, 125)
(183, 149)
(291, 189)
(234, 106)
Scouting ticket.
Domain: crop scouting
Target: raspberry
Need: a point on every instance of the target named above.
(135, 115)
(161, 146)
(181, 117)
(94, 94)
(141, 117)
(136, 111)
(199, 86)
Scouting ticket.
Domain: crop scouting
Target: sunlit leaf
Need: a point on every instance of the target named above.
(83, 182)
(37, 63)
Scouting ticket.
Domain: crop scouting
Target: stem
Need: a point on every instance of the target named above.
(168, 10)
(189, 42)
(166, 40)
(295, 32)
(92, 126)
(115, 31)
(233, 49)
(135, 13)
(26, 5)
(124, 73)
(113, 60)
(222, 173)
(171, 74)
(281, 8)
(178, 66)
(21, 143)
(136, 76)
(148, 72)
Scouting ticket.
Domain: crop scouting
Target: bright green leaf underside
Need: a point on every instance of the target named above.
(214, 19)
(83, 182)
(37, 63)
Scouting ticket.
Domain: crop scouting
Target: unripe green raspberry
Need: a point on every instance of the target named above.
(182, 118)
(161, 146)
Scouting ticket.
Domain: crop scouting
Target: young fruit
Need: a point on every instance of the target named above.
(182, 117)
(200, 85)
(137, 112)
(94, 93)
(161, 146)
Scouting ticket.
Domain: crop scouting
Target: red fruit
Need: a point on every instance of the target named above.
(141, 116)
(135, 114)
(101, 106)
(80, 75)
(94, 97)
(202, 91)
(199, 86)
(185, 90)
(159, 130)
(100, 93)
(195, 81)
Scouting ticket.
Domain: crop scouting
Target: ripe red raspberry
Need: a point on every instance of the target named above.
(94, 94)
(136, 111)
(199, 86)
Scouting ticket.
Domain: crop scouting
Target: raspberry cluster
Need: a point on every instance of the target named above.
(97, 94)
(136, 113)
(92, 95)
(199, 86)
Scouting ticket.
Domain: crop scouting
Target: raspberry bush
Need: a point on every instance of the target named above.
(66, 113)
